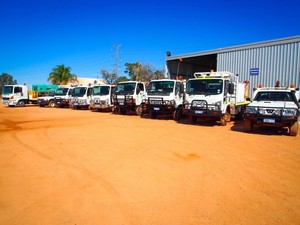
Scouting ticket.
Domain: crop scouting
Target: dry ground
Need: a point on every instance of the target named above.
(67, 167)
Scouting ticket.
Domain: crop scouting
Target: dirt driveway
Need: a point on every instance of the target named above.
(62, 166)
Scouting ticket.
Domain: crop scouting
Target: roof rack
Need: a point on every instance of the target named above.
(276, 88)
(221, 74)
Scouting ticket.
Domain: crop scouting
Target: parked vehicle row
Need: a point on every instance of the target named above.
(215, 96)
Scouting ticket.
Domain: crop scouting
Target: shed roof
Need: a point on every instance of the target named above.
(280, 41)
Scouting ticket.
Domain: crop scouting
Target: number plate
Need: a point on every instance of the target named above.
(199, 111)
(121, 103)
(267, 120)
(156, 108)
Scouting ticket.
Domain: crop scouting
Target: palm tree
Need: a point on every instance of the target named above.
(61, 75)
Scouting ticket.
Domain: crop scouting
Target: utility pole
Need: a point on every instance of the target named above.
(117, 49)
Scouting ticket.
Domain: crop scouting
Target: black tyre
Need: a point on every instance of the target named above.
(177, 114)
(51, 104)
(21, 103)
(139, 110)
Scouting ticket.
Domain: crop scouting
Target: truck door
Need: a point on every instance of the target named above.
(178, 93)
(89, 94)
(140, 92)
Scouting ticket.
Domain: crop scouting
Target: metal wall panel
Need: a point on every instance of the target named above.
(276, 62)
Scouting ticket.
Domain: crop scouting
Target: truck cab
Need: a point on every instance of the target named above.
(15, 95)
(128, 96)
(164, 97)
(81, 97)
(214, 95)
(273, 106)
(62, 96)
(101, 98)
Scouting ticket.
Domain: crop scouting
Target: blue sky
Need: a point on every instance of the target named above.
(37, 35)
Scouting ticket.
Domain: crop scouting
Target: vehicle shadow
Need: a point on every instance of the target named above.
(159, 117)
(238, 126)
(200, 123)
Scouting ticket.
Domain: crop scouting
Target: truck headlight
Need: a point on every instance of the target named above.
(172, 102)
(187, 105)
(251, 110)
(277, 112)
(289, 112)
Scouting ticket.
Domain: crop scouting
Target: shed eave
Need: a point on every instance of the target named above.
(280, 41)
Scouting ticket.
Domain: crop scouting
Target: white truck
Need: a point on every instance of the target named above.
(81, 97)
(47, 100)
(18, 95)
(128, 97)
(164, 97)
(215, 95)
(101, 98)
(273, 106)
(62, 96)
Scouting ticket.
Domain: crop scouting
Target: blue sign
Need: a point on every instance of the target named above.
(254, 71)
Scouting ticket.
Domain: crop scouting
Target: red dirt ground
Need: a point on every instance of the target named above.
(67, 167)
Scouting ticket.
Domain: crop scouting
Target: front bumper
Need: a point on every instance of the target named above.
(202, 112)
(9, 102)
(61, 101)
(100, 106)
(276, 121)
(159, 109)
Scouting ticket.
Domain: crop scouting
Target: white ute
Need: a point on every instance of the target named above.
(273, 106)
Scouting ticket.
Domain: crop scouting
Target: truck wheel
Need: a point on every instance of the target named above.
(223, 120)
(152, 115)
(21, 103)
(293, 129)
(139, 110)
(52, 104)
(248, 125)
(177, 114)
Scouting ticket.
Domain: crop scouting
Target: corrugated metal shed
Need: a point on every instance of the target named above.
(261, 62)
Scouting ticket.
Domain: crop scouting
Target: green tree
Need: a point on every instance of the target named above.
(6, 79)
(61, 75)
(121, 79)
(108, 77)
(140, 72)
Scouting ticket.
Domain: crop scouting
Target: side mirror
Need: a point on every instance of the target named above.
(248, 99)
(231, 88)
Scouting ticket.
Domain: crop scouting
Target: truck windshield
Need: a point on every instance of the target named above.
(125, 88)
(7, 90)
(61, 91)
(205, 87)
(79, 91)
(100, 90)
(274, 96)
(160, 87)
